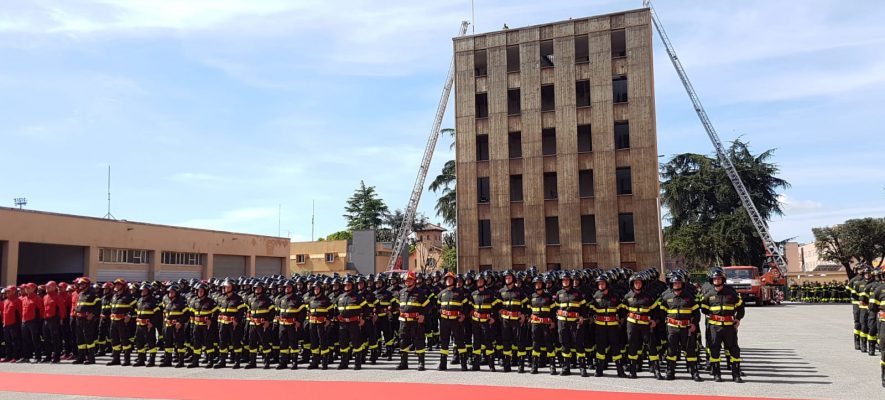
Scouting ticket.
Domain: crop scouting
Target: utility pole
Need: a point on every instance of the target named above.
(109, 215)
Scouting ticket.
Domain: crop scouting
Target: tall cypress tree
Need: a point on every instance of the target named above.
(364, 210)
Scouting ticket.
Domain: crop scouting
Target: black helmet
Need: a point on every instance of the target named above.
(174, 287)
(717, 273)
(201, 285)
(144, 286)
(538, 279)
(258, 284)
(675, 278)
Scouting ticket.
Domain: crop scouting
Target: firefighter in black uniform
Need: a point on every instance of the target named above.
(320, 311)
(86, 312)
(452, 313)
(122, 310)
(642, 305)
(413, 303)
(725, 309)
(851, 287)
(261, 315)
(682, 326)
(290, 315)
(872, 325)
(175, 317)
(231, 324)
(571, 309)
(860, 323)
(608, 312)
(148, 317)
(369, 329)
(485, 304)
(203, 310)
(383, 325)
(543, 326)
(104, 320)
(877, 310)
(513, 306)
(352, 312)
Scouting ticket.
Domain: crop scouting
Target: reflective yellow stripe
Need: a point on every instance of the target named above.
(484, 306)
(720, 308)
(540, 308)
(638, 309)
(451, 303)
(680, 311)
(88, 303)
(292, 310)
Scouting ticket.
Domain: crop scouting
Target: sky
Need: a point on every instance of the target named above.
(239, 115)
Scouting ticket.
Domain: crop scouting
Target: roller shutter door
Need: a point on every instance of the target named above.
(266, 266)
(232, 266)
(176, 275)
(108, 275)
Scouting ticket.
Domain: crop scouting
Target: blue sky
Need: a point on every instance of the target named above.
(213, 113)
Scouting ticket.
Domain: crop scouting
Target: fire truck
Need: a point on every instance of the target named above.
(762, 289)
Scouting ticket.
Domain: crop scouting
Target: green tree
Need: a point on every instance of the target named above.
(449, 260)
(444, 183)
(708, 224)
(364, 210)
(393, 221)
(340, 235)
(856, 240)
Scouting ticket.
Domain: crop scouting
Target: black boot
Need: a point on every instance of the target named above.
(389, 353)
(212, 359)
(507, 360)
(619, 366)
(115, 358)
(633, 367)
(695, 375)
(90, 357)
(717, 373)
(421, 361)
(179, 360)
(284, 361)
(253, 361)
(222, 362)
(358, 359)
(267, 358)
(671, 370)
(883, 375)
(326, 360)
(566, 366)
(56, 358)
(490, 360)
(534, 365)
(863, 345)
(656, 370)
(872, 347)
(140, 360)
(600, 367)
(152, 360)
(463, 362)
(81, 357)
(552, 366)
(583, 364)
(856, 341)
(127, 356)
(474, 363)
(314, 362)
(167, 360)
(520, 362)
(345, 360)
(736, 373)
(403, 361)
(443, 363)
(195, 362)
(294, 360)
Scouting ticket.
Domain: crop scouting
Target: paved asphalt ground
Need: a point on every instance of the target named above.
(789, 351)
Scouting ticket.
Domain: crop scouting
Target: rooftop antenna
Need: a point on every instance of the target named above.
(279, 219)
(472, 18)
(20, 202)
(312, 216)
(109, 215)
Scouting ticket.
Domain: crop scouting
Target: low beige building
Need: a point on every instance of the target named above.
(37, 246)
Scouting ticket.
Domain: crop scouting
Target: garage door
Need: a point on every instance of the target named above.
(266, 266)
(108, 275)
(176, 275)
(228, 266)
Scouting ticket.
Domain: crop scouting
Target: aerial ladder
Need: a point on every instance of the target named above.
(405, 227)
(772, 249)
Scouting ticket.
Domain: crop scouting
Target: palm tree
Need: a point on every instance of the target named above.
(446, 207)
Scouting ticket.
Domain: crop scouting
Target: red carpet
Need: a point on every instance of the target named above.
(214, 389)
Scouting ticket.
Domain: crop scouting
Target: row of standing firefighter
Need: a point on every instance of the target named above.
(867, 290)
(588, 320)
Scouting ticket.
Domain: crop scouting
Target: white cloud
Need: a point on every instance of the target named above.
(229, 220)
(791, 206)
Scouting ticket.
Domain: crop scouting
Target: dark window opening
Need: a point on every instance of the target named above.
(619, 44)
(482, 147)
(619, 89)
(585, 182)
(548, 98)
(514, 144)
(551, 228)
(482, 105)
(513, 58)
(480, 63)
(585, 140)
(485, 233)
(482, 189)
(582, 93)
(546, 53)
(582, 49)
(517, 232)
(588, 229)
(485, 268)
(622, 135)
(514, 103)
(550, 186)
(624, 181)
(625, 228)
(548, 141)
(515, 187)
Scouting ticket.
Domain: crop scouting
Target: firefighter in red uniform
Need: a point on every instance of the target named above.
(54, 308)
(12, 329)
(32, 322)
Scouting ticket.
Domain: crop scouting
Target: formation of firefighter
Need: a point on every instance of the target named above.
(587, 321)
(867, 290)
(818, 292)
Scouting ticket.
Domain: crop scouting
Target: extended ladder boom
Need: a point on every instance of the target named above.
(406, 226)
(758, 222)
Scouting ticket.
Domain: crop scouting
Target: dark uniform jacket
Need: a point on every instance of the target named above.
(485, 304)
(352, 306)
(122, 305)
(320, 309)
(261, 309)
(147, 310)
(607, 308)
(642, 306)
(542, 307)
(87, 303)
(412, 303)
(453, 303)
(681, 308)
(290, 309)
(231, 308)
(570, 304)
(724, 307)
(513, 302)
(202, 310)
(175, 310)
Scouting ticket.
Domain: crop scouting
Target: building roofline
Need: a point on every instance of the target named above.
(123, 221)
(550, 23)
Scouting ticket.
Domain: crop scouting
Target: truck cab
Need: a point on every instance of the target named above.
(752, 287)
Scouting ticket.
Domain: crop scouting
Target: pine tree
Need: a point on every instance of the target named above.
(364, 209)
